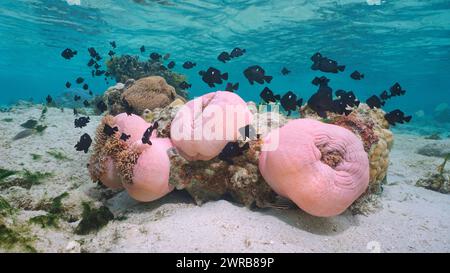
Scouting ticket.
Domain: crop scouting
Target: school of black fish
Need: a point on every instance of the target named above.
(322, 101)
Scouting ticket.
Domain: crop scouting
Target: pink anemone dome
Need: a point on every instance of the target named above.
(321, 167)
(203, 126)
(151, 172)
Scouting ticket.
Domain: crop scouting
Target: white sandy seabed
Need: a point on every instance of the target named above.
(410, 219)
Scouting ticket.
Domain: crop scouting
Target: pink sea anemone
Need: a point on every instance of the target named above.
(150, 177)
(321, 167)
(203, 126)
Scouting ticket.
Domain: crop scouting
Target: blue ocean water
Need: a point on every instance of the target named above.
(405, 41)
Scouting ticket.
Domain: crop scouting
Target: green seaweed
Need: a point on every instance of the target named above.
(5, 207)
(442, 166)
(36, 156)
(12, 239)
(33, 178)
(44, 111)
(55, 212)
(7, 120)
(93, 219)
(58, 155)
(4, 173)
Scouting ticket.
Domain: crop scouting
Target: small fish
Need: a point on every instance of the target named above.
(128, 108)
(148, 133)
(384, 95)
(397, 116)
(93, 73)
(124, 137)
(166, 56)
(232, 87)
(268, 96)
(285, 71)
(79, 80)
(325, 65)
(85, 86)
(68, 53)
(155, 56)
(396, 90)
(97, 66)
(76, 98)
(256, 73)
(340, 107)
(162, 67)
(248, 131)
(348, 98)
(90, 93)
(237, 52)
(84, 143)
(224, 57)
(113, 44)
(213, 76)
(142, 49)
(320, 81)
(171, 65)
(75, 112)
(68, 84)
(99, 72)
(93, 53)
(86, 103)
(49, 99)
(374, 102)
(101, 106)
(189, 65)
(232, 149)
(91, 62)
(111, 53)
(81, 122)
(184, 85)
(109, 131)
(356, 75)
(290, 103)
(322, 101)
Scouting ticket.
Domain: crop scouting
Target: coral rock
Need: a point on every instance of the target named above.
(149, 93)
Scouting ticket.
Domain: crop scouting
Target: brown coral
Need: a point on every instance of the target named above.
(149, 93)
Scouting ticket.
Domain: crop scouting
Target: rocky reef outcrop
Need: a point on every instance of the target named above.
(241, 179)
(126, 67)
(146, 93)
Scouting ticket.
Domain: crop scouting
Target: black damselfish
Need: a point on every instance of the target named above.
(290, 103)
(224, 57)
(148, 133)
(189, 65)
(396, 90)
(256, 73)
(101, 106)
(184, 85)
(268, 96)
(397, 116)
(356, 75)
(81, 122)
(285, 71)
(109, 131)
(84, 143)
(374, 102)
(68, 53)
(232, 87)
(171, 64)
(237, 52)
(124, 137)
(213, 76)
(325, 65)
(232, 149)
(79, 80)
